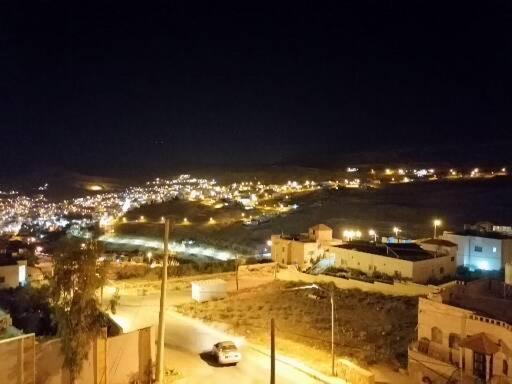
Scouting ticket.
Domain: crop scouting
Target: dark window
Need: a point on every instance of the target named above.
(2, 279)
(505, 368)
(478, 249)
(453, 258)
(454, 341)
(441, 270)
(479, 365)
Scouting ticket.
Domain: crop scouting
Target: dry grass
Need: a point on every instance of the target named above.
(369, 327)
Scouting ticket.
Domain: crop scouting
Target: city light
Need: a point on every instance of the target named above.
(396, 230)
(351, 234)
(372, 232)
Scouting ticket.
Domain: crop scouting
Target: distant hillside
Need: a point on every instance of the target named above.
(61, 184)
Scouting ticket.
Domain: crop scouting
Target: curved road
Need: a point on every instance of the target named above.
(188, 342)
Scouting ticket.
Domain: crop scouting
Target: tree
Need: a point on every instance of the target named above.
(73, 293)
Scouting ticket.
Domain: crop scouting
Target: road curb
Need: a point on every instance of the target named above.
(310, 372)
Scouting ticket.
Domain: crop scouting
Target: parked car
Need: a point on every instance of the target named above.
(226, 352)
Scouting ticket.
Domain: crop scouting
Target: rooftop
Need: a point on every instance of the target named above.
(481, 233)
(209, 282)
(484, 297)
(304, 238)
(480, 343)
(321, 227)
(439, 242)
(404, 251)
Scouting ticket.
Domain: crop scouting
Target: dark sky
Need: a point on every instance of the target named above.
(109, 86)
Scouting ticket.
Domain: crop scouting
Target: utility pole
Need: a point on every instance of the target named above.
(332, 333)
(236, 270)
(160, 365)
(105, 336)
(272, 353)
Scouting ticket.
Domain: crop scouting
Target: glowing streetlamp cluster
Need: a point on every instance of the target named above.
(350, 234)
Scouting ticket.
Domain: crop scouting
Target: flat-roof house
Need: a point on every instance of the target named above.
(481, 249)
(405, 260)
(304, 248)
(440, 247)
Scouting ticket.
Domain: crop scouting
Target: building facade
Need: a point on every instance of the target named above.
(12, 276)
(302, 249)
(481, 249)
(464, 335)
(407, 261)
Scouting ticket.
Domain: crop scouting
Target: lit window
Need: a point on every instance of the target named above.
(494, 249)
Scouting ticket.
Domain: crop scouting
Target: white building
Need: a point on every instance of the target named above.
(479, 249)
(12, 276)
(464, 335)
(404, 260)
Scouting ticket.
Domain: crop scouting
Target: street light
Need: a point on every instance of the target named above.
(331, 293)
(348, 234)
(397, 231)
(437, 223)
(372, 232)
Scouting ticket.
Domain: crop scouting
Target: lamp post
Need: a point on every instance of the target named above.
(331, 293)
(437, 223)
(397, 231)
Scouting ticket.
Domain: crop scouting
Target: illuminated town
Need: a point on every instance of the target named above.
(105, 208)
(253, 193)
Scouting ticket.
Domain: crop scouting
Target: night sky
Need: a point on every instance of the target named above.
(111, 86)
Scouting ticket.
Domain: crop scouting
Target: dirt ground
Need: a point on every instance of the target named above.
(369, 327)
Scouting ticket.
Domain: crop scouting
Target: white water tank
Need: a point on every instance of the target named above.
(205, 290)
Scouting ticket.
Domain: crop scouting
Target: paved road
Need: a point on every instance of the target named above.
(188, 342)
